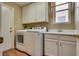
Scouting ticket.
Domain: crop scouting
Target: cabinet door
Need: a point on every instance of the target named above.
(32, 9)
(77, 15)
(77, 46)
(25, 14)
(28, 13)
(41, 11)
(35, 12)
(67, 48)
(51, 47)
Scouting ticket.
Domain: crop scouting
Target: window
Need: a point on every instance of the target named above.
(62, 16)
(61, 12)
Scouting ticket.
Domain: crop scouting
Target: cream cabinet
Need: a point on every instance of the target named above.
(28, 13)
(61, 45)
(32, 12)
(67, 45)
(67, 48)
(42, 12)
(25, 15)
(77, 48)
(51, 47)
(77, 15)
(35, 12)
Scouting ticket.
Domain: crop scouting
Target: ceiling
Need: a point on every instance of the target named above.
(22, 3)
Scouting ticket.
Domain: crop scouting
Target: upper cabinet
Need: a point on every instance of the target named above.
(28, 13)
(77, 15)
(42, 11)
(35, 12)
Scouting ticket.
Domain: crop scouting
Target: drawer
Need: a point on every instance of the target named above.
(51, 36)
(67, 38)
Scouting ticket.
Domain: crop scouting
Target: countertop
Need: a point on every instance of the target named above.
(65, 32)
(62, 33)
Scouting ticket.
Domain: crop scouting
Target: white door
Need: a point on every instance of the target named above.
(8, 26)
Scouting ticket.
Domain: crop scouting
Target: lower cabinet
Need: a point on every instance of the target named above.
(67, 48)
(58, 47)
(51, 47)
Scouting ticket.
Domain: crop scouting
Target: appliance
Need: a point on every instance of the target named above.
(20, 44)
(30, 41)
